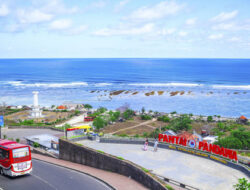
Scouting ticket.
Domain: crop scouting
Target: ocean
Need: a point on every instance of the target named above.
(197, 86)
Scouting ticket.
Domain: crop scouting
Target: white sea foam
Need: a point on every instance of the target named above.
(166, 84)
(103, 84)
(47, 85)
(234, 87)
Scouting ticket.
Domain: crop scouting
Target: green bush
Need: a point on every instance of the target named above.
(99, 122)
(17, 140)
(36, 145)
(128, 114)
(242, 184)
(169, 187)
(146, 117)
(209, 118)
(77, 112)
(88, 106)
(181, 123)
(229, 142)
(145, 134)
(4, 136)
(137, 136)
(164, 118)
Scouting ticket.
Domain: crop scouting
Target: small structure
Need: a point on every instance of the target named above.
(242, 119)
(61, 107)
(210, 139)
(185, 135)
(36, 112)
(72, 106)
(169, 132)
(45, 142)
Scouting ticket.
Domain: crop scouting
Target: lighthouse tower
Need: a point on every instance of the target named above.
(36, 112)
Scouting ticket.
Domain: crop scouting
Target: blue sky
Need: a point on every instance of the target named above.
(126, 28)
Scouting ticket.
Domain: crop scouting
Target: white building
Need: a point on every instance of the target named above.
(36, 112)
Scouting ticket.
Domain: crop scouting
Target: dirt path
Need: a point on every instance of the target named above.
(144, 123)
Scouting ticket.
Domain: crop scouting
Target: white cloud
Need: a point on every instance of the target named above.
(4, 10)
(120, 5)
(234, 39)
(182, 33)
(215, 36)
(158, 11)
(32, 17)
(191, 21)
(77, 30)
(57, 7)
(225, 26)
(224, 16)
(61, 24)
(167, 31)
(98, 4)
(145, 29)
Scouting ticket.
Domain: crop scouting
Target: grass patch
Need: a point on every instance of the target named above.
(145, 170)
(120, 158)
(76, 136)
(78, 144)
(169, 187)
(102, 152)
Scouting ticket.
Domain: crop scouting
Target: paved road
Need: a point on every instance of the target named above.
(21, 133)
(50, 177)
(192, 170)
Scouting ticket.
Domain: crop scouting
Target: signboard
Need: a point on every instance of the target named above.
(1, 121)
(202, 146)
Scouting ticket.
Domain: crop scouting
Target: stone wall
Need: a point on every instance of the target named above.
(90, 157)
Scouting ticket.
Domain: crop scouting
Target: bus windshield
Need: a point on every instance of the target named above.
(20, 152)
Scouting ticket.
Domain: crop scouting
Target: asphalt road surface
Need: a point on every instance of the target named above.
(46, 176)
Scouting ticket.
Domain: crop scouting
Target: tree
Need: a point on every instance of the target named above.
(77, 112)
(143, 110)
(99, 122)
(229, 142)
(128, 114)
(101, 109)
(181, 123)
(209, 118)
(88, 106)
(164, 118)
(146, 117)
(242, 184)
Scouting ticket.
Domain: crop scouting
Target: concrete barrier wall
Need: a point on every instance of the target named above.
(34, 127)
(187, 150)
(90, 157)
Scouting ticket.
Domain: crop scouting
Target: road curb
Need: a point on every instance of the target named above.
(111, 187)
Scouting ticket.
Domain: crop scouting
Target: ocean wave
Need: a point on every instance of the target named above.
(166, 84)
(234, 87)
(102, 84)
(47, 85)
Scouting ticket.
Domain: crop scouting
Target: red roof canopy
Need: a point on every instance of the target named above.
(61, 107)
(243, 117)
(10, 144)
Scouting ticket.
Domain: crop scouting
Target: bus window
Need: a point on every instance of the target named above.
(20, 152)
(4, 154)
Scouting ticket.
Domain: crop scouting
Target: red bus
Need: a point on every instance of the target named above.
(15, 158)
(88, 118)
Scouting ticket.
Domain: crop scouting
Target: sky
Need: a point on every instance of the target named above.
(125, 28)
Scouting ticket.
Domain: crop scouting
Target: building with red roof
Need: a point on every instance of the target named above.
(61, 107)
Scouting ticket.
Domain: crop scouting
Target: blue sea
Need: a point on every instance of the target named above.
(205, 86)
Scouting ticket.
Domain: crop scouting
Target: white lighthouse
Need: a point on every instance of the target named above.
(36, 112)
